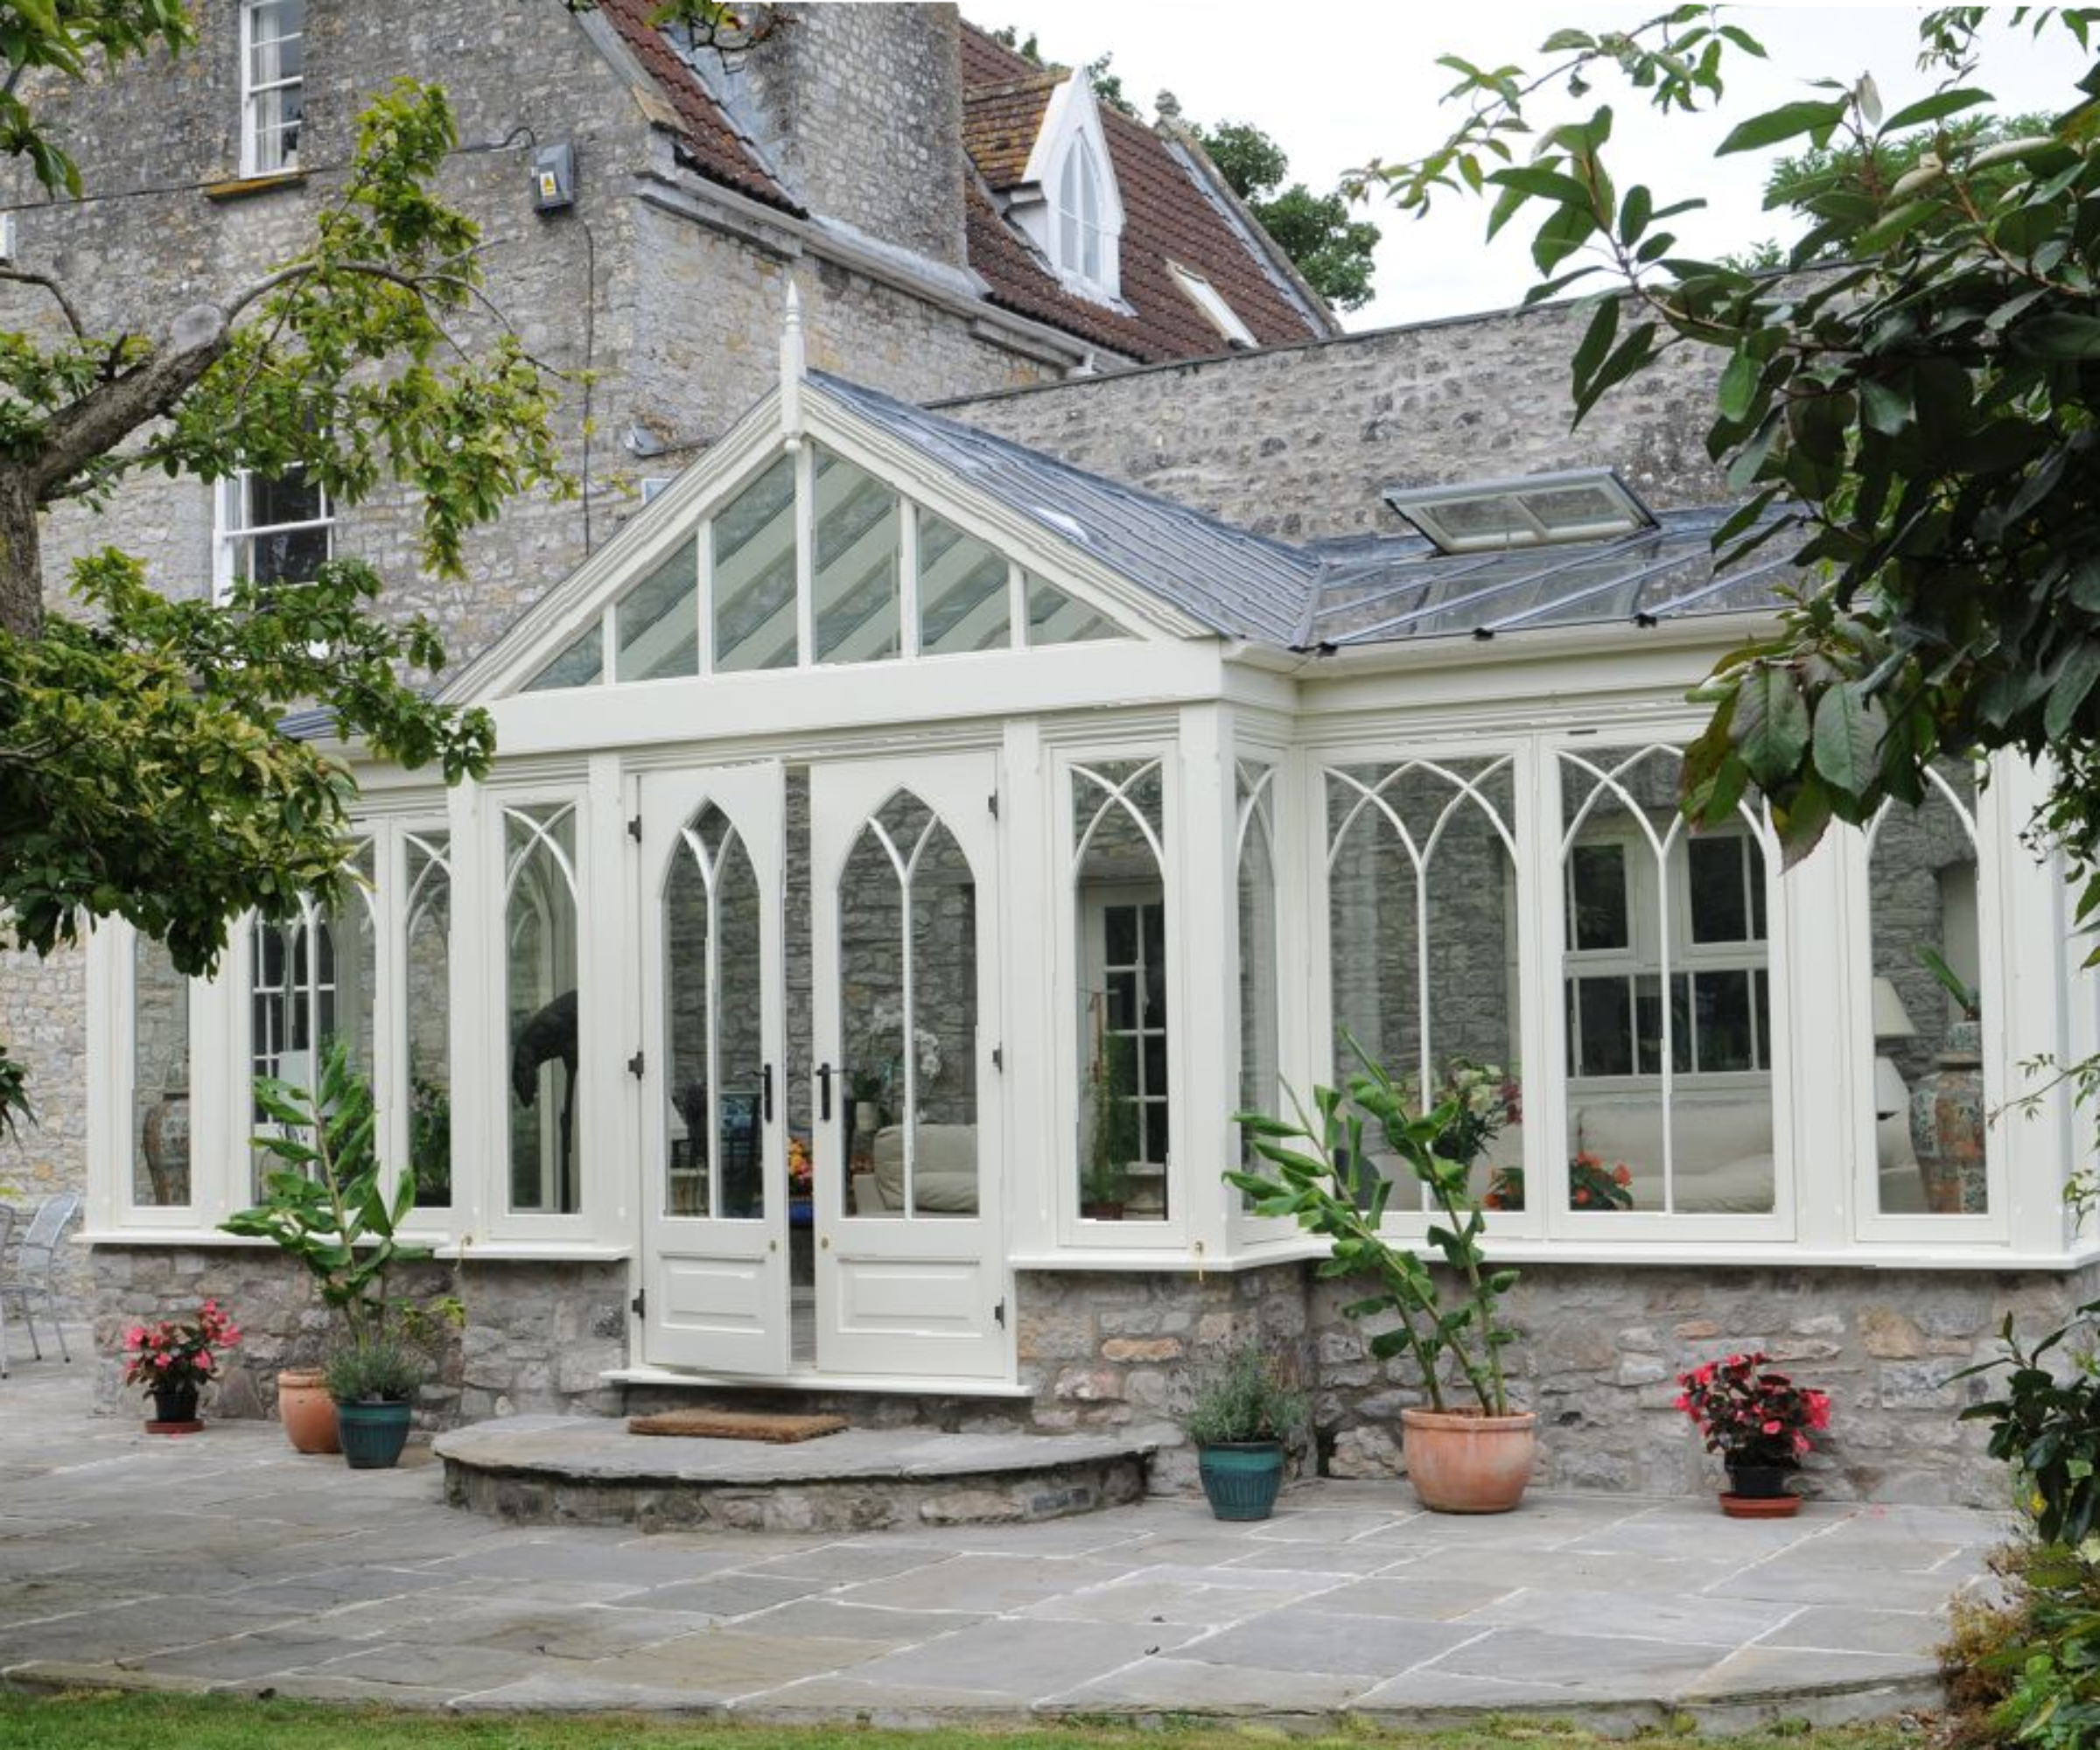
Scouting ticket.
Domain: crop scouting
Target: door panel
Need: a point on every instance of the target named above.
(911, 1251)
(715, 1208)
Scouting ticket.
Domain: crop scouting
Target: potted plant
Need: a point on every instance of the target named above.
(173, 1359)
(1241, 1421)
(1115, 1137)
(372, 1383)
(330, 1209)
(1758, 1422)
(1461, 1458)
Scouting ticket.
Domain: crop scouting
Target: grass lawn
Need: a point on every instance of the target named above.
(105, 1721)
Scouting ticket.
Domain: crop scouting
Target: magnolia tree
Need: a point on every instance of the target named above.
(1911, 408)
(142, 771)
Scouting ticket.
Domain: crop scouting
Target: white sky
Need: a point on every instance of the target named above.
(1339, 82)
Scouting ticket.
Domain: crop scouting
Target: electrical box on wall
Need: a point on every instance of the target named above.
(554, 177)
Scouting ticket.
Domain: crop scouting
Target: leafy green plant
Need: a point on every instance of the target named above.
(1115, 1138)
(1966, 995)
(1249, 1399)
(377, 1369)
(2047, 1428)
(1321, 1179)
(329, 1207)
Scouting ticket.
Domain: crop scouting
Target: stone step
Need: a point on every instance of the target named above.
(590, 1471)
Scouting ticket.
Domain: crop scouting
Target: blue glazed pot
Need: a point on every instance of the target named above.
(373, 1434)
(1241, 1479)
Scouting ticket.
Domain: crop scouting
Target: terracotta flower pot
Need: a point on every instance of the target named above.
(307, 1411)
(1462, 1461)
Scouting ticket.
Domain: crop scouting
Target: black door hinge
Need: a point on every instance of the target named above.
(992, 803)
(634, 829)
(999, 1057)
(634, 1066)
(639, 1304)
(999, 1313)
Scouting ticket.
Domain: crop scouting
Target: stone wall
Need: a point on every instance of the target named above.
(536, 1336)
(44, 1022)
(1298, 442)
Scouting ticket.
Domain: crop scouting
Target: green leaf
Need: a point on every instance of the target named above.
(1848, 728)
(1546, 183)
(1739, 385)
(1896, 226)
(1770, 729)
(2061, 335)
(1935, 107)
(1597, 339)
(1788, 122)
(1634, 213)
(2073, 683)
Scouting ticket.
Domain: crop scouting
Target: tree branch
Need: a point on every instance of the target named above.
(24, 277)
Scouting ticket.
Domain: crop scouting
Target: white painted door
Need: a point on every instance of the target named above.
(714, 1200)
(911, 1271)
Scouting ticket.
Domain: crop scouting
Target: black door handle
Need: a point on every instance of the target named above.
(765, 1092)
(823, 1091)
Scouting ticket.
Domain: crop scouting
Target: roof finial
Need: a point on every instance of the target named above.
(793, 363)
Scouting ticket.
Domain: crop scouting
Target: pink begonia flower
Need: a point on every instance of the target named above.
(204, 1360)
(1774, 1427)
(160, 1360)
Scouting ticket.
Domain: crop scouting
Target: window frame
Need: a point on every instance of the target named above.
(230, 527)
(254, 161)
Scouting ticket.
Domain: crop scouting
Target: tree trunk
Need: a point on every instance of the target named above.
(21, 561)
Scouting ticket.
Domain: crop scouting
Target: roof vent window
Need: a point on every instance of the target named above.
(1207, 298)
(1589, 504)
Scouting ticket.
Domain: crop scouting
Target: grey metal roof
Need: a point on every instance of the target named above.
(1242, 584)
(1389, 588)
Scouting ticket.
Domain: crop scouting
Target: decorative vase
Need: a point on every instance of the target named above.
(373, 1434)
(307, 1411)
(1946, 1124)
(1462, 1461)
(174, 1409)
(1241, 1478)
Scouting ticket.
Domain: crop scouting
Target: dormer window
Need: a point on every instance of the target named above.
(1081, 242)
(1067, 200)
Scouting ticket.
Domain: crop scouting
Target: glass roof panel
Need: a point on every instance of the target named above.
(581, 665)
(755, 574)
(657, 624)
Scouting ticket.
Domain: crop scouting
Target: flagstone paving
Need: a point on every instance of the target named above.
(225, 1562)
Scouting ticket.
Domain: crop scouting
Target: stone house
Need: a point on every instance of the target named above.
(918, 828)
(880, 155)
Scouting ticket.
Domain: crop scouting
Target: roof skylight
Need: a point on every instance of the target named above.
(1586, 504)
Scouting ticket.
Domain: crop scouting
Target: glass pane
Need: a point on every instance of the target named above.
(1259, 984)
(428, 969)
(856, 606)
(656, 625)
(1055, 618)
(540, 979)
(880, 1061)
(1421, 930)
(1124, 1137)
(1931, 1123)
(687, 1006)
(755, 574)
(740, 1034)
(1651, 1126)
(1720, 898)
(963, 594)
(1597, 916)
(943, 1112)
(583, 664)
(160, 1080)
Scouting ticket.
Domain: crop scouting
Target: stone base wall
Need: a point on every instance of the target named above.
(535, 1340)
(1598, 1355)
(44, 1026)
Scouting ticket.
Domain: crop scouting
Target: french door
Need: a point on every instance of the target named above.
(884, 1254)
(911, 1276)
(714, 1204)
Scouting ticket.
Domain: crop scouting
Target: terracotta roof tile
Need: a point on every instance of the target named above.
(716, 149)
(1000, 123)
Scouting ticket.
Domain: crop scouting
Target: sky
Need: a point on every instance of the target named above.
(1339, 82)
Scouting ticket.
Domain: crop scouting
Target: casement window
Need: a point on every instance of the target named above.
(1207, 298)
(273, 36)
(1713, 915)
(270, 531)
(1082, 238)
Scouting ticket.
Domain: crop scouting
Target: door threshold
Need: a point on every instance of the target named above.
(912, 1385)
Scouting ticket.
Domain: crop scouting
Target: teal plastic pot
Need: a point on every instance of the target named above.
(373, 1434)
(1241, 1481)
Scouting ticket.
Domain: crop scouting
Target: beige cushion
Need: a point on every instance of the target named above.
(947, 1170)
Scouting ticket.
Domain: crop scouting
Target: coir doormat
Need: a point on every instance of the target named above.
(736, 1424)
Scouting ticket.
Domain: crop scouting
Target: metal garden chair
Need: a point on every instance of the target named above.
(25, 1277)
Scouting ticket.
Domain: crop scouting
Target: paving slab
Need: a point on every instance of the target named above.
(263, 1571)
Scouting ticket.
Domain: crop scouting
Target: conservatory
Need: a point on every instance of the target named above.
(905, 851)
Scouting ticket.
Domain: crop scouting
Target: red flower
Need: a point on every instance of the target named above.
(1622, 1175)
